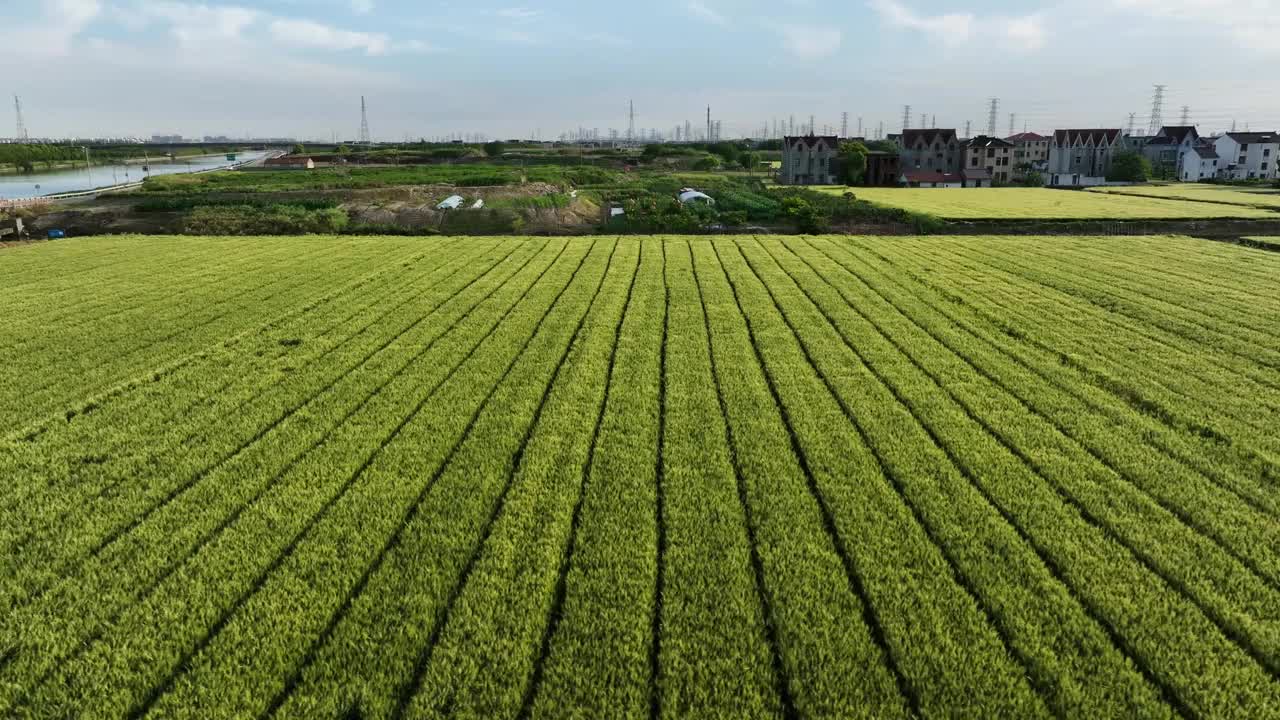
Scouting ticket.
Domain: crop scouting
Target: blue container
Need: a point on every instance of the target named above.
(57, 234)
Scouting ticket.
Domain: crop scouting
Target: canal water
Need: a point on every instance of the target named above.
(62, 181)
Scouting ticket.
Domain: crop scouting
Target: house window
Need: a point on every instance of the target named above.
(1266, 153)
(974, 162)
(991, 152)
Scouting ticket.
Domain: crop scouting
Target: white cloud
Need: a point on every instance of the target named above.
(311, 34)
(700, 10)
(1254, 24)
(362, 7)
(52, 33)
(956, 29)
(1024, 33)
(949, 29)
(197, 26)
(810, 42)
(518, 13)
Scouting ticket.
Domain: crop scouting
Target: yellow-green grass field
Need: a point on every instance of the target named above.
(639, 478)
(1233, 195)
(1043, 204)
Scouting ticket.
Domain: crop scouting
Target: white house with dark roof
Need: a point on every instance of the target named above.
(1199, 162)
(1248, 155)
(1083, 157)
(810, 160)
(1168, 148)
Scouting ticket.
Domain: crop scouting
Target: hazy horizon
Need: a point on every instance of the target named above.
(290, 68)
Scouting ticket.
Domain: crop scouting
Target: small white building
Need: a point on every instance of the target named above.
(1248, 155)
(1199, 162)
(453, 202)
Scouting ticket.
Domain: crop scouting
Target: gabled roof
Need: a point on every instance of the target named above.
(1178, 133)
(1206, 152)
(806, 141)
(976, 174)
(1026, 137)
(1085, 137)
(910, 137)
(985, 141)
(1254, 137)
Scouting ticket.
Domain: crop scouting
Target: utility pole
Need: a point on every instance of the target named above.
(906, 117)
(992, 114)
(1157, 108)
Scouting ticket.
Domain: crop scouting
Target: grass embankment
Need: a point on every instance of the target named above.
(1044, 204)
(660, 477)
(1264, 197)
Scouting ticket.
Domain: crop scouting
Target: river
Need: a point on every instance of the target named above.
(63, 181)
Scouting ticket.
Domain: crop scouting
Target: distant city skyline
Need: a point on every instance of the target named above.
(282, 68)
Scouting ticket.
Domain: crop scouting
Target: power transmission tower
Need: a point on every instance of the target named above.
(859, 126)
(631, 121)
(1012, 123)
(812, 128)
(1131, 118)
(968, 128)
(1157, 108)
(992, 114)
(708, 123)
(934, 125)
(924, 120)
(906, 117)
(22, 126)
(364, 122)
(844, 125)
(1186, 113)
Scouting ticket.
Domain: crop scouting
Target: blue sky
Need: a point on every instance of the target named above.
(298, 67)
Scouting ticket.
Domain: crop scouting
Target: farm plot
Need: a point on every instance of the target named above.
(640, 477)
(1043, 204)
(1229, 194)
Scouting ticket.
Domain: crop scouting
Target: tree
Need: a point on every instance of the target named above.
(299, 149)
(749, 161)
(853, 155)
(883, 146)
(344, 150)
(808, 219)
(1129, 167)
(494, 149)
(710, 162)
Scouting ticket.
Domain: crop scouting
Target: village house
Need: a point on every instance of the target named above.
(991, 154)
(1248, 155)
(290, 162)
(1030, 153)
(1200, 162)
(928, 150)
(810, 160)
(1083, 157)
(1167, 148)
